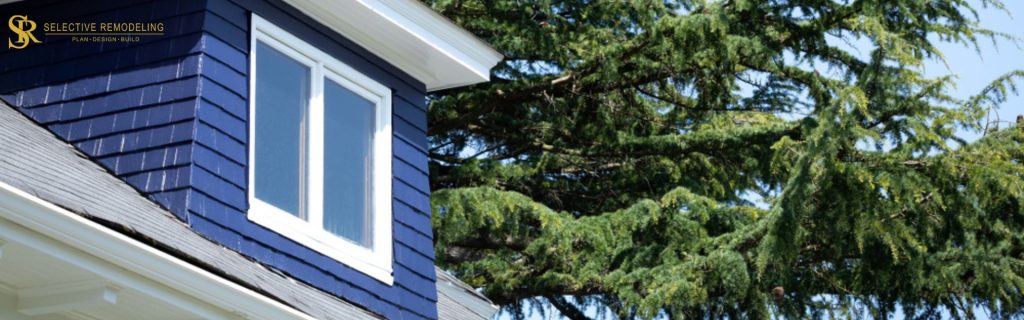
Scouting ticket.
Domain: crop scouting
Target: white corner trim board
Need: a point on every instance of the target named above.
(38, 224)
(411, 36)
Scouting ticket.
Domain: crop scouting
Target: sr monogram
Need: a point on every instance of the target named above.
(23, 27)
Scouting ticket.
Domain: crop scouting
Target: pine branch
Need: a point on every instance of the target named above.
(567, 309)
(615, 155)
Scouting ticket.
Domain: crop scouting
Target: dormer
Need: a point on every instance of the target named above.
(290, 132)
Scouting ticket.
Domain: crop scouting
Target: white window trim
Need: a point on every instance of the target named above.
(376, 261)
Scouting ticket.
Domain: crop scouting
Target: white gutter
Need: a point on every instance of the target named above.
(66, 228)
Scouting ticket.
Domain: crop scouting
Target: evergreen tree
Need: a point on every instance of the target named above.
(616, 158)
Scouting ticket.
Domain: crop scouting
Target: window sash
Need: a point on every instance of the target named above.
(303, 136)
(348, 163)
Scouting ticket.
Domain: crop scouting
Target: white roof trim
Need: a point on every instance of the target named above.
(411, 36)
(66, 229)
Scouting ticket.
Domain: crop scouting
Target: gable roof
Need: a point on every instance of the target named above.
(35, 161)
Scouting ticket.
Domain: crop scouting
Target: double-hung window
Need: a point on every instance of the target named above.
(320, 151)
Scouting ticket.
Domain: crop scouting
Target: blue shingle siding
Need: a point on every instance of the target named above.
(215, 201)
(168, 115)
(130, 106)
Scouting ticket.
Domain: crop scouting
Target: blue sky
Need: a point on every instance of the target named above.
(974, 71)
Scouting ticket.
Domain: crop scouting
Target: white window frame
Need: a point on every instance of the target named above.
(377, 260)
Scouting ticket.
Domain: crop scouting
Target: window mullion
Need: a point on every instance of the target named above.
(315, 143)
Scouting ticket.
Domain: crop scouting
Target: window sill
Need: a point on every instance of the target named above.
(377, 265)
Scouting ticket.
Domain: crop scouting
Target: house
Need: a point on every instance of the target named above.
(224, 159)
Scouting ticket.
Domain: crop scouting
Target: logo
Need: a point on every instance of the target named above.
(80, 31)
(18, 24)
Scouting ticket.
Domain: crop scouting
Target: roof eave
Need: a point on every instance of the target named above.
(75, 231)
(411, 36)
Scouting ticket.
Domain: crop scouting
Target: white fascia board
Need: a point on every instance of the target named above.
(410, 36)
(125, 260)
(64, 297)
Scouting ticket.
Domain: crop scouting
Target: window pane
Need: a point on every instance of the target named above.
(282, 98)
(348, 155)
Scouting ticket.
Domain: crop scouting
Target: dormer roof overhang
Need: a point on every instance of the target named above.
(408, 34)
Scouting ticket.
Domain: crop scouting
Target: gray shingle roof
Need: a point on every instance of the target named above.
(457, 300)
(34, 160)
